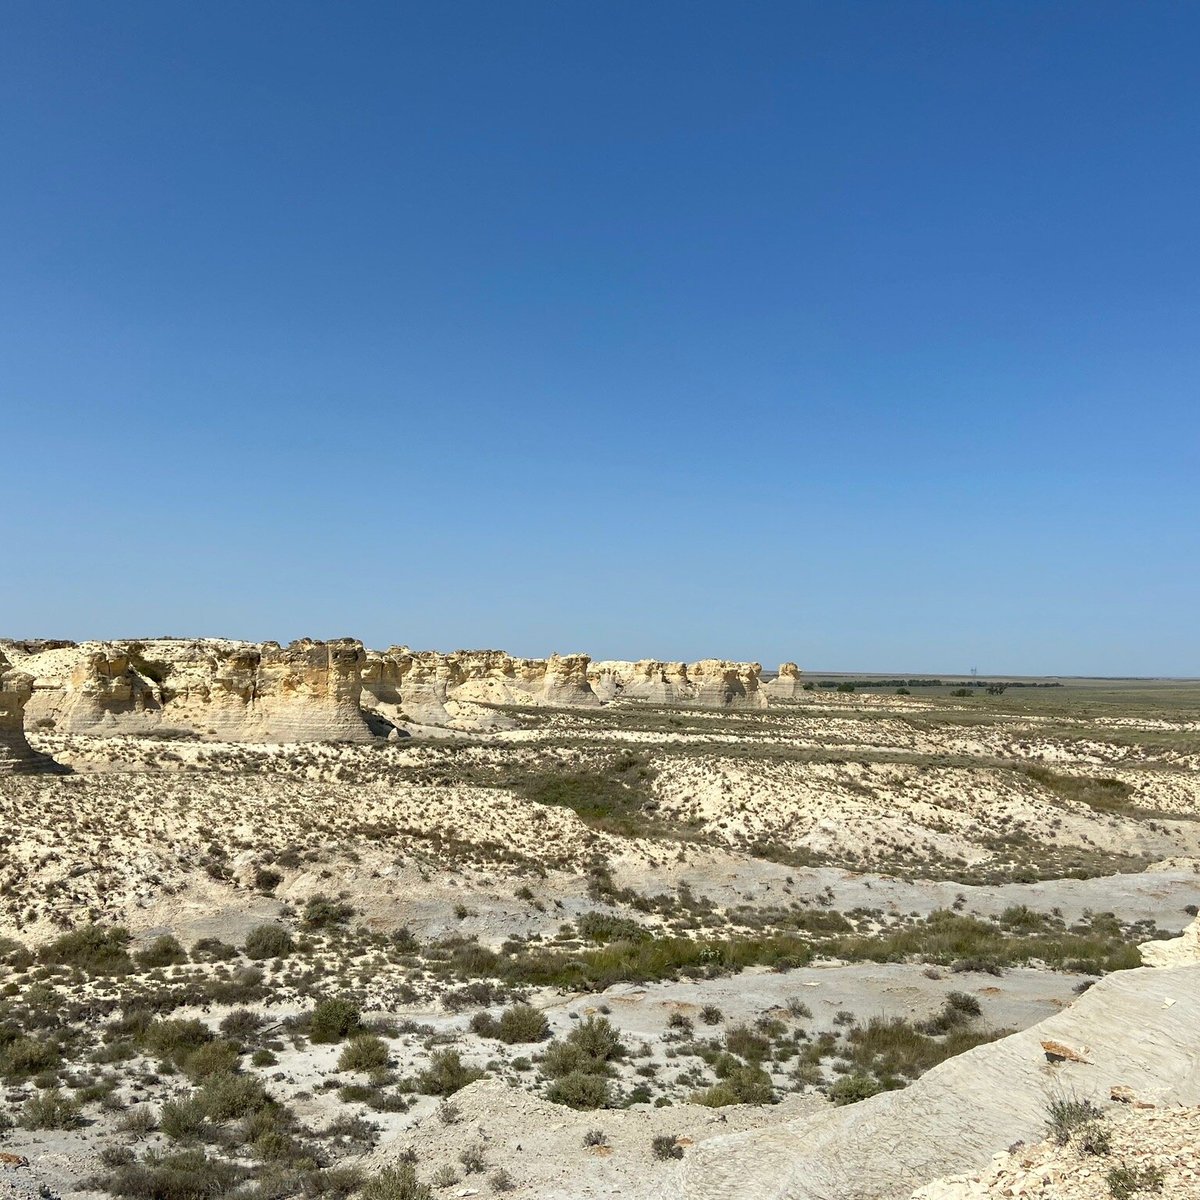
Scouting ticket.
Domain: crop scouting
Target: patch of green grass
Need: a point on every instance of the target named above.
(1100, 795)
(645, 961)
(611, 797)
(893, 1049)
(948, 938)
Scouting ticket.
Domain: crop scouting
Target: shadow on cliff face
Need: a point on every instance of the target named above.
(381, 727)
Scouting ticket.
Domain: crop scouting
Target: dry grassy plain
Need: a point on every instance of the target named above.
(271, 969)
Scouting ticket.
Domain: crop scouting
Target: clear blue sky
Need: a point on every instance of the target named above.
(861, 334)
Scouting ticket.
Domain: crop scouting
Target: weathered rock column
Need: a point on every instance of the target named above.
(786, 685)
(16, 754)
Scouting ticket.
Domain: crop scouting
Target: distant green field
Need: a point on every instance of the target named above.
(1063, 696)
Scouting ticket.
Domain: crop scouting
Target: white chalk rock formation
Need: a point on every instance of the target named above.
(721, 684)
(402, 684)
(337, 691)
(17, 756)
(1133, 1029)
(710, 683)
(1174, 952)
(237, 691)
(787, 685)
(646, 679)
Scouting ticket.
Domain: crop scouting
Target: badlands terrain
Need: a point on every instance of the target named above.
(317, 920)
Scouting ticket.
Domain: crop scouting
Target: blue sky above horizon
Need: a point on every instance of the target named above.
(864, 335)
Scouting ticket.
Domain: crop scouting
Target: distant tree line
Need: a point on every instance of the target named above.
(994, 688)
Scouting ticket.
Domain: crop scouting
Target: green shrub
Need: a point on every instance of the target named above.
(182, 1120)
(25, 1056)
(269, 941)
(93, 948)
(744, 1084)
(175, 1041)
(485, 1025)
(241, 1024)
(226, 1097)
(162, 952)
(522, 1023)
(334, 1019)
(363, 1053)
(604, 927)
(1066, 1115)
(51, 1109)
(1124, 1182)
(959, 1009)
(589, 1049)
(852, 1088)
(14, 955)
(473, 1159)
(666, 1147)
(446, 1074)
(213, 950)
(214, 1058)
(1094, 1138)
(657, 958)
(182, 1175)
(1100, 795)
(138, 1121)
(963, 1002)
(323, 913)
(397, 1182)
(747, 1044)
(267, 880)
(598, 1038)
(338, 1183)
(579, 1089)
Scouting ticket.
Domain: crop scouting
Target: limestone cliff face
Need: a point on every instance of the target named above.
(16, 754)
(721, 684)
(106, 691)
(420, 685)
(787, 685)
(710, 683)
(308, 691)
(336, 690)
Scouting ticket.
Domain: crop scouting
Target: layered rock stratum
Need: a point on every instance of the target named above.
(709, 683)
(418, 685)
(16, 754)
(307, 691)
(335, 690)
(786, 685)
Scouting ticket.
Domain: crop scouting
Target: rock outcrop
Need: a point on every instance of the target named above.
(1174, 952)
(402, 684)
(787, 685)
(16, 754)
(710, 683)
(307, 691)
(336, 690)
(1139, 1031)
